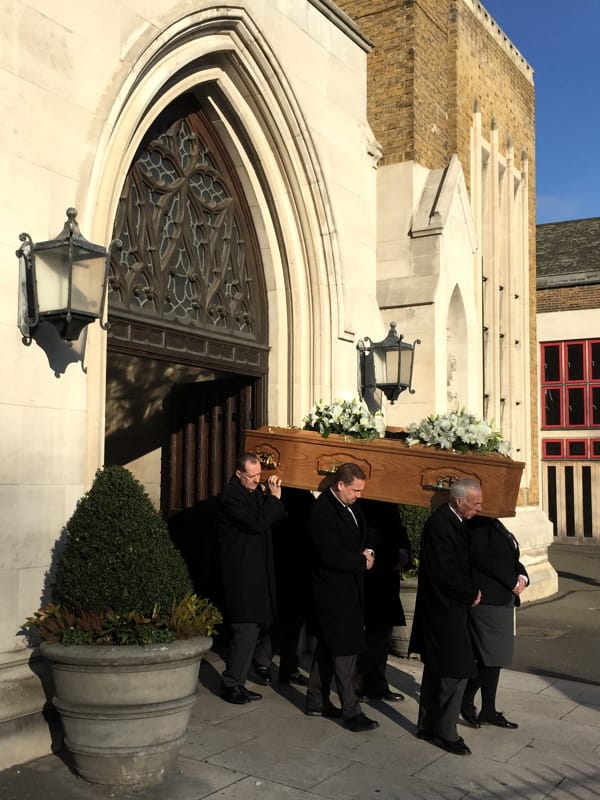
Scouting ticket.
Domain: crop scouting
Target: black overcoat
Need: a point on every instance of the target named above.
(495, 561)
(337, 574)
(245, 521)
(445, 592)
(388, 537)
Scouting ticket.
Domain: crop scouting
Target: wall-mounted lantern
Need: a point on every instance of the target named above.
(386, 366)
(63, 281)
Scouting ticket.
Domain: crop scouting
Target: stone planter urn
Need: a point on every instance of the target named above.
(125, 709)
(401, 633)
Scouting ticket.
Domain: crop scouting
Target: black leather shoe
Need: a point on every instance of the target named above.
(251, 695)
(359, 723)
(390, 697)
(498, 719)
(293, 677)
(469, 715)
(328, 710)
(264, 675)
(457, 748)
(235, 694)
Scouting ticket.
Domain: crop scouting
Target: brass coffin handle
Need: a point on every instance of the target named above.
(442, 482)
(330, 469)
(265, 459)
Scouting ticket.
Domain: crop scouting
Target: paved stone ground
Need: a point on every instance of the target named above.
(269, 750)
(560, 636)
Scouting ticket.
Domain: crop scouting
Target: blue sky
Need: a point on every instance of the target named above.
(561, 41)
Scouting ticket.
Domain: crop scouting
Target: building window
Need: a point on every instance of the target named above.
(571, 384)
(552, 448)
(577, 448)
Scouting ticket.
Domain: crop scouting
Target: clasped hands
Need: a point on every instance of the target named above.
(370, 556)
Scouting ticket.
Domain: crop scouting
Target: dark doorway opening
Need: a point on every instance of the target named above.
(179, 429)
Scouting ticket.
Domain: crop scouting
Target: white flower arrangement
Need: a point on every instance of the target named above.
(458, 431)
(347, 417)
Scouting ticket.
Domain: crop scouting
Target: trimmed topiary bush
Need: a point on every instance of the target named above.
(118, 551)
(120, 579)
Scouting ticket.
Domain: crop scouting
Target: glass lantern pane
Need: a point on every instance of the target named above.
(406, 366)
(88, 282)
(27, 311)
(380, 365)
(52, 278)
(392, 360)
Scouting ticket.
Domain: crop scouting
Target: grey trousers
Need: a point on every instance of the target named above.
(371, 665)
(249, 642)
(324, 668)
(439, 704)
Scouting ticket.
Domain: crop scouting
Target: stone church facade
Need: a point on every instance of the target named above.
(286, 177)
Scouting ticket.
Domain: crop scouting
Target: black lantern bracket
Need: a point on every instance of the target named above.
(63, 281)
(385, 367)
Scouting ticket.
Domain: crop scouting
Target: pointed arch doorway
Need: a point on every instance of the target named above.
(188, 343)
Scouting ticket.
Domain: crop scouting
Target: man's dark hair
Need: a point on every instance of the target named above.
(348, 472)
(243, 459)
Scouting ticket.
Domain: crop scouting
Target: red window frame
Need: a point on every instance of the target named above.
(570, 442)
(593, 387)
(565, 366)
(566, 391)
(546, 442)
(547, 346)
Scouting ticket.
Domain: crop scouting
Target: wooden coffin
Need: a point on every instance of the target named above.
(395, 472)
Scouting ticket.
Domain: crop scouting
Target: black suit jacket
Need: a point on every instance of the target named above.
(445, 592)
(337, 574)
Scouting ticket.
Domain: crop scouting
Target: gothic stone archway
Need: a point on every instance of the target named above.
(187, 348)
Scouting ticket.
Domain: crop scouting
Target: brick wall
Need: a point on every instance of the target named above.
(498, 78)
(568, 298)
(431, 60)
(391, 72)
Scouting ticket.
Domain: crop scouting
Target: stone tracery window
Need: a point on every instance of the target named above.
(186, 258)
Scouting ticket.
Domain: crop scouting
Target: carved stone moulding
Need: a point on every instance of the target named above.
(159, 340)
(395, 472)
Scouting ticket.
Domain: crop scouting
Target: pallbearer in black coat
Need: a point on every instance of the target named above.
(247, 513)
(499, 573)
(340, 560)
(440, 632)
(292, 569)
(387, 536)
